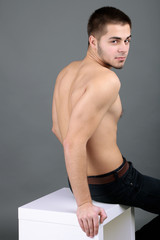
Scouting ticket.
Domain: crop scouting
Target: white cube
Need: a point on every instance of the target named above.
(53, 217)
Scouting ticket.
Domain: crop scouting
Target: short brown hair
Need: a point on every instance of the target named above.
(103, 16)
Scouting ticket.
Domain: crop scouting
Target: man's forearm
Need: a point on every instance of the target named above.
(75, 158)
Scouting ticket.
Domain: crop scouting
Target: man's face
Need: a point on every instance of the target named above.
(113, 47)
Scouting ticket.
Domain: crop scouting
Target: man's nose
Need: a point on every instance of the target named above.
(123, 48)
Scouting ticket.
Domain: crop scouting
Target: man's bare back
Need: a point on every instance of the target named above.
(103, 154)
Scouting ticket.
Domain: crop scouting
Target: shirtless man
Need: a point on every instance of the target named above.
(86, 109)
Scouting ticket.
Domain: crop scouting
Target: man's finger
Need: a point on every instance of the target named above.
(103, 215)
(91, 227)
(96, 225)
(81, 224)
(86, 227)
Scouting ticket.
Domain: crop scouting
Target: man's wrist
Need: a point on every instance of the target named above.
(87, 202)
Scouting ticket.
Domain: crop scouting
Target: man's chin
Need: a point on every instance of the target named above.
(116, 66)
(119, 66)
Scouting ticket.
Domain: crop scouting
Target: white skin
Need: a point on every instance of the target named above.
(111, 50)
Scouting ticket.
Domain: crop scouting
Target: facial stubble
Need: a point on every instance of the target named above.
(101, 55)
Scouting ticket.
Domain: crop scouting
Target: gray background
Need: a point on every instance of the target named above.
(37, 39)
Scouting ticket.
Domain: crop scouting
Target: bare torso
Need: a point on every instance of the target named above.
(103, 154)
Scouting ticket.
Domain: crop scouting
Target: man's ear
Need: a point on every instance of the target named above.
(92, 41)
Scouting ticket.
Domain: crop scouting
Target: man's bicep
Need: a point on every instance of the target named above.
(83, 123)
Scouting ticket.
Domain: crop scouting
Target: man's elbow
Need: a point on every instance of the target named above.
(70, 143)
(53, 129)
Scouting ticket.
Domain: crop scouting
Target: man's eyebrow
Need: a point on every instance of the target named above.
(115, 38)
(129, 36)
(118, 38)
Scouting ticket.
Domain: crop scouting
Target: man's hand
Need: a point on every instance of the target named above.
(88, 217)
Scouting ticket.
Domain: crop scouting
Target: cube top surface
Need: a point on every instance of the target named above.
(60, 207)
(58, 201)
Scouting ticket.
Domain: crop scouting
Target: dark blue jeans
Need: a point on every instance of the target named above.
(133, 189)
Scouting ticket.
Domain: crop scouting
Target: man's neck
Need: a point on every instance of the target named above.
(92, 56)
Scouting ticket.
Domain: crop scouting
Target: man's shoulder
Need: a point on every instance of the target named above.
(105, 79)
(103, 89)
(70, 66)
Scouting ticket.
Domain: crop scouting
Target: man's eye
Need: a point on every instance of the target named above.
(114, 41)
(127, 41)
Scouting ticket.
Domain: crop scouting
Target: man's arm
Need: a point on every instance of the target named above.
(85, 118)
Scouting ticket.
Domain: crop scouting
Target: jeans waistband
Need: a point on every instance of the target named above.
(111, 176)
(112, 172)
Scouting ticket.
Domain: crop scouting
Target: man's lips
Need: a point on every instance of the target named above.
(121, 58)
